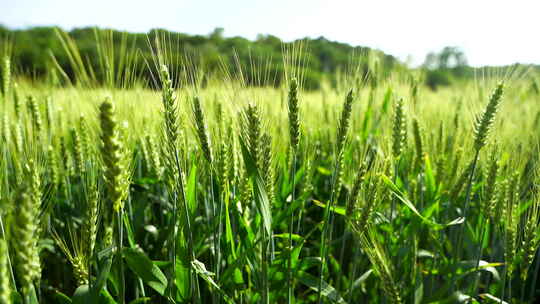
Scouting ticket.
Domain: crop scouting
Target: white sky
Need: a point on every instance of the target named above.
(490, 32)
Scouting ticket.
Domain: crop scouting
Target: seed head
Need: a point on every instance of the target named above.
(399, 128)
(344, 122)
(112, 155)
(294, 120)
(484, 122)
(202, 130)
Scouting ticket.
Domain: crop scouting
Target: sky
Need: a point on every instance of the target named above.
(489, 32)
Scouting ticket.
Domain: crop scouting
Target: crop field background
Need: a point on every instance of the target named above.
(178, 185)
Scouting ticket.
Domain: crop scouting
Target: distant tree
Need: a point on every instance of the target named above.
(217, 34)
(443, 67)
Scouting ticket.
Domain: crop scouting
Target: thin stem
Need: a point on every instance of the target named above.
(326, 221)
(119, 245)
(505, 270)
(217, 233)
(479, 256)
(291, 224)
(457, 253)
(264, 266)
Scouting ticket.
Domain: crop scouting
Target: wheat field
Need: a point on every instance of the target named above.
(374, 189)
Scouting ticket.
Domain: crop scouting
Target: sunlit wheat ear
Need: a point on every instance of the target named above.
(6, 76)
(16, 101)
(67, 158)
(18, 137)
(344, 122)
(224, 163)
(170, 110)
(511, 217)
(52, 161)
(234, 168)
(78, 153)
(398, 131)
(24, 241)
(490, 199)
(202, 129)
(111, 153)
(91, 219)
(484, 122)
(418, 141)
(153, 156)
(361, 214)
(5, 289)
(531, 238)
(84, 135)
(252, 130)
(76, 255)
(35, 113)
(381, 265)
(341, 139)
(307, 185)
(357, 185)
(294, 114)
(267, 166)
(5, 128)
(246, 192)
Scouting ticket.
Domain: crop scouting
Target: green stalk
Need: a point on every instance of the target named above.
(457, 252)
(264, 267)
(195, 291)
(505, 270)
(325, 230)
(122, 280)
(479, 256)
(291, 224)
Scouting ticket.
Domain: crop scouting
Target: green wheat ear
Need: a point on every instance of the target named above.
(490, 201)
(76, 255)
(5, 128)
(253, 131)
(530, 241)
(16, 101)
(111, 153)
(267, 166)
(170, 110)
(344, 122)
(78, 153)
(484, 122)
(294, 115)
(35, 113)
(5, 290)
(202, 130)
(381, 265)
(27, 262)
(399, 129)
(418, 141)
(6, 76)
